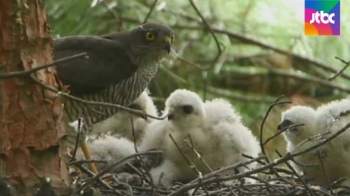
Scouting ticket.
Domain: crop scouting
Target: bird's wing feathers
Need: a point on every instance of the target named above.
(108, 63)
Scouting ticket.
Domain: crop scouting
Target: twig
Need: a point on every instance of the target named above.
(144, 189)
(158, 183)
(280, 132)
(218, 45)
(317, 136)
(79, 129)
(114, 164)
(86, 161)
(140, 160)
(324, 171)
(266, 183)
(190, 143)
(35, 69)
(209, 29)
(304, 164)
(151, 10)
(340, 71)
(273, 170)
(138, 172)
(231, 167)
(124, 184)
(113, 14)
(188, 62)
(99, 181)
(191, 164)
(296, 174)
(264, 119)
(133, 134)
(339, 181)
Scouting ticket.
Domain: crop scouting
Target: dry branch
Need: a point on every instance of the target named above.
(340, 71)
(35, 69)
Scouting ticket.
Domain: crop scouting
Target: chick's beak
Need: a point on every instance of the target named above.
(171, 116)
(167, 45)
(279, 128)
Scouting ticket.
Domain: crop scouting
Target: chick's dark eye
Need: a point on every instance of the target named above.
(150, 36)
(187, 109)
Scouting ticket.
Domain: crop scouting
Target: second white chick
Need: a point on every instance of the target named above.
(120, 123)
(303, 137)
(216, 131)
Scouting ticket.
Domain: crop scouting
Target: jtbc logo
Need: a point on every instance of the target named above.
(316, 17)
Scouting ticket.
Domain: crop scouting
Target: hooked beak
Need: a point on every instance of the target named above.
(167, 45)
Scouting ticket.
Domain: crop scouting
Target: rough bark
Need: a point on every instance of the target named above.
(30, 123)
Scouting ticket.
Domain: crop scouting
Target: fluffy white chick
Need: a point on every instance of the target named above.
(155, 132)
(230, 132)
(109, 149)
(309, 163)
(216, 132)
(332, 117)
(120, 123)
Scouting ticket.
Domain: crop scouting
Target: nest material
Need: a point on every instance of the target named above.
(278, 183)
(269, 178)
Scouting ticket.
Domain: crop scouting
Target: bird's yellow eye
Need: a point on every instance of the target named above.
(150, 36)
(172, 38)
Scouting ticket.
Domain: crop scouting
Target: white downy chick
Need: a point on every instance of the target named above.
(216, 132)
(120, 123)
(154, 135)
(108, 148)
(297, 140)
(230, 132)
(332, 117)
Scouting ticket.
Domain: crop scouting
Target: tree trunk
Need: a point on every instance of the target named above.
(30, 123)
